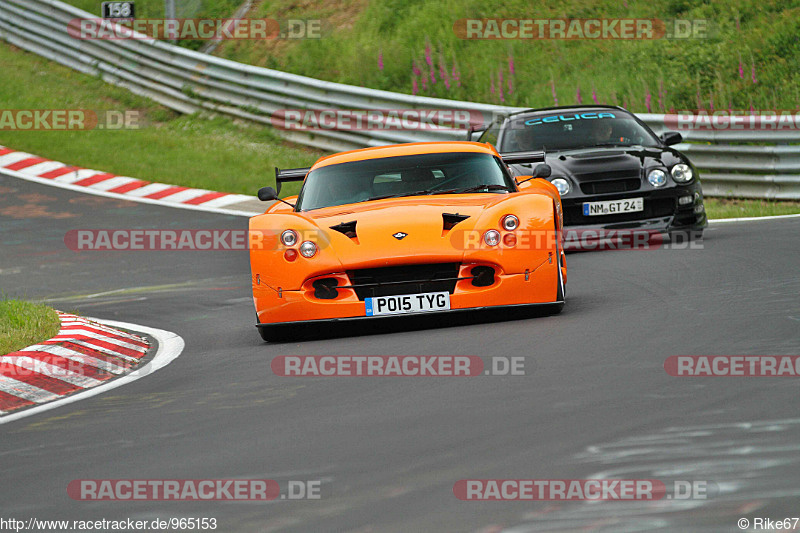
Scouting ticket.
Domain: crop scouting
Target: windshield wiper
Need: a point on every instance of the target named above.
(601, 145)
(401, 194)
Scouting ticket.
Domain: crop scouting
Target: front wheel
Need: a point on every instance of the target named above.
(561, 294)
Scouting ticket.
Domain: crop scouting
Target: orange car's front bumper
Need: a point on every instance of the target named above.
(274, 306)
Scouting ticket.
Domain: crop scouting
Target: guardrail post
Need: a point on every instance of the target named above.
(170, 13)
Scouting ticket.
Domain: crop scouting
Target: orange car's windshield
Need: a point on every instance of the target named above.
(373, 179)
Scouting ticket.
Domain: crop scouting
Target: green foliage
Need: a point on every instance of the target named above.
(762, 34)
(194, 151)
(23, 324)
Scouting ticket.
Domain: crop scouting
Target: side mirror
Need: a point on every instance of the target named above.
(541, 171)
(671, 137)
(265, 194)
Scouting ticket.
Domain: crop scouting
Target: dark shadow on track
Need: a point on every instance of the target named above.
(384, 325)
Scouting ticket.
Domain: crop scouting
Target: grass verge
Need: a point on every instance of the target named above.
(25, 323)
(217, 153)
(738, 54)
(736, 208)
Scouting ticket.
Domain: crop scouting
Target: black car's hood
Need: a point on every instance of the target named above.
(599, 163)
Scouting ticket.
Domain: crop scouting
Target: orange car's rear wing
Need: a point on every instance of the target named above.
(291, 174)
(515, 158)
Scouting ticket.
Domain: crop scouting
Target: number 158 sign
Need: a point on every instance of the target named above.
(118, 10)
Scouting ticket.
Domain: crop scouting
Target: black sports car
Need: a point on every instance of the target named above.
(612, 171)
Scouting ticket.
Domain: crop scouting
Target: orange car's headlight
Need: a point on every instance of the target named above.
(491, 237)
(289, 237)
(510, 222)
(308, 249)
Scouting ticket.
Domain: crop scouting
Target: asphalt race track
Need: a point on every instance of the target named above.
(595, 400)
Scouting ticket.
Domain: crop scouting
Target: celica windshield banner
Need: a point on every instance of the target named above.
(568, 118)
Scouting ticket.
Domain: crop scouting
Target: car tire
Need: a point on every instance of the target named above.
(561, 290)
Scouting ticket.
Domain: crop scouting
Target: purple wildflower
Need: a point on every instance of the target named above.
(456, 75)
(578, 95)
(443, 72)
(380, 60)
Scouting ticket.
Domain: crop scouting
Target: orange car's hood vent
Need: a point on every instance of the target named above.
(449, 220)
(348, 229)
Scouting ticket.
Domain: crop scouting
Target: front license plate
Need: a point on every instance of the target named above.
(408, 303)
(612, 207)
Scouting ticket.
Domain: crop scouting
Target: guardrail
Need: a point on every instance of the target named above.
(189, 82)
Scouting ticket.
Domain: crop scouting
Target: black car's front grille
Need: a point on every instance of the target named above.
(404, 279)
(653, 208)
(609, 181)
(610, 186)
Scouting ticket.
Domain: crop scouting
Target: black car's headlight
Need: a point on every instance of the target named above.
(682, 173)
(562, 185)
(657, 178)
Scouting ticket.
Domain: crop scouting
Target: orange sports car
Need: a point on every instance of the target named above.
(405, 229)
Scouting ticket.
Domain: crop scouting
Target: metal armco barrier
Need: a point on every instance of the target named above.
(190, 82)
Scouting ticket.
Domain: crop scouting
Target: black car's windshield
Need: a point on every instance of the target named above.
(389, 177)
(570, 129)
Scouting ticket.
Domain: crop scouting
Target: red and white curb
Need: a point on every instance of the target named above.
(77, 363)
(41, 170)
(105, 184)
